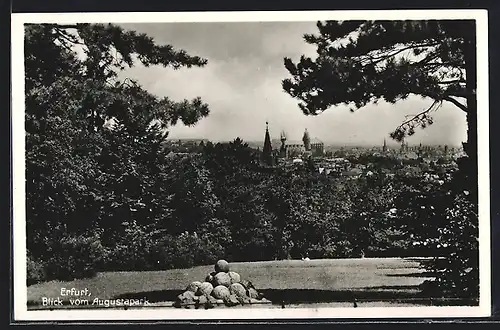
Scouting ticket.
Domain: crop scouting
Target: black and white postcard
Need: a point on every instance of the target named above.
(250, 165)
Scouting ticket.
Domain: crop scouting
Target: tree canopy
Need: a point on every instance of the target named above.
(92, 140)
(362, 62)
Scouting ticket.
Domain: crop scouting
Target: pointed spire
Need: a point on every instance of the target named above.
(267, 149)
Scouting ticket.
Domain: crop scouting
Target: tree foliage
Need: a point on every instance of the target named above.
(92, 140)
(362, 62)
(440, 218)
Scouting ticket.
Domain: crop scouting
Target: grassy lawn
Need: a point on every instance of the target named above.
(292, 281)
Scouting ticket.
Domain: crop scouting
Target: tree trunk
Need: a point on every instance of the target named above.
(470, 147)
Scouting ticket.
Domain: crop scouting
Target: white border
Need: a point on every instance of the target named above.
(18, 139)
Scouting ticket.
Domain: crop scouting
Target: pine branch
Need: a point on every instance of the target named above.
(67, 38)
(439, 65)
(453, 81)
(462, 93)
(419, 115)
(455, 102)
(426, 60)
(376, 59)
(68, 48)
(65, 26)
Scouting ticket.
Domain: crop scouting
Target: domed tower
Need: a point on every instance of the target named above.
(307, 140)
(283, 144)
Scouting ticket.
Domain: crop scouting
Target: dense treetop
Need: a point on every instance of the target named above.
(360, 62)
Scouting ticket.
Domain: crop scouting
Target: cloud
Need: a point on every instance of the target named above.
(242, 85)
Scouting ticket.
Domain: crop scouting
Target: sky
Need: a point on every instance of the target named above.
(242, 85)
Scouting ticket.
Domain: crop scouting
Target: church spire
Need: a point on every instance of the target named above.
(267, 149)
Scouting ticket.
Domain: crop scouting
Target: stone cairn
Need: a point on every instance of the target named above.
(221, 287)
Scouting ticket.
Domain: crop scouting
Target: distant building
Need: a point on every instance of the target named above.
(317, 147)
(294, 149)
(283, 148)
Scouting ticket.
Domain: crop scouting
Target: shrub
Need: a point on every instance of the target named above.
(457, 267)
(75, 257)
(332, 250)
(35, 272)
(136, 249)
(187, 250)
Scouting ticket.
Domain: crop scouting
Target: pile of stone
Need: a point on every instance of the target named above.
(221, 287)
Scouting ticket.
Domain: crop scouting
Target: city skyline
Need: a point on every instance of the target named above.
(276, 138)
(242, 85)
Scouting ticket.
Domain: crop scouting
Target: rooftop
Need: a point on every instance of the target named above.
(315, 141)
(294, 142)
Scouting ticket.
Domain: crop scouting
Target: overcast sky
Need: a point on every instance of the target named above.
(242, 85)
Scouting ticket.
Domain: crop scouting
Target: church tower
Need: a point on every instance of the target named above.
(404, 146)
(267, 151)
(283, 144)
(384, 148)
(306, 140)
